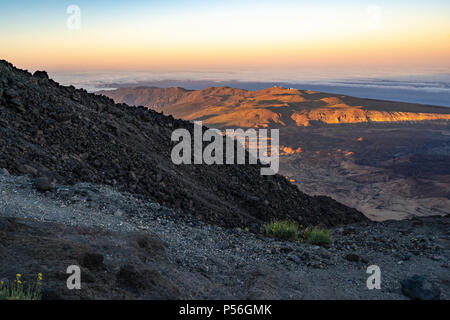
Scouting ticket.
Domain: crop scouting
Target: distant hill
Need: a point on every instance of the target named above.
(276, 106)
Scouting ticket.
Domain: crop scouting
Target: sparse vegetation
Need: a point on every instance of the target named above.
(18, 290)
(284, 230)
(289, 230)
(318, 236)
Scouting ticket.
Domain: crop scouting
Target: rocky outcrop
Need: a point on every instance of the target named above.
(359, 115)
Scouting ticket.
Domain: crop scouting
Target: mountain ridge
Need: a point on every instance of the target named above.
(275, 106)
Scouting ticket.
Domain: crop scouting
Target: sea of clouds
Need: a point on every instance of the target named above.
(433, 88)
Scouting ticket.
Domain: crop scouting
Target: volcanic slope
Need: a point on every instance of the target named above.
(70, 136)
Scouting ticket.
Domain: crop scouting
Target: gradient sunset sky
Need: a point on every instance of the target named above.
(175, 35)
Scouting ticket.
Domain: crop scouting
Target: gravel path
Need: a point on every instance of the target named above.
(236, 264)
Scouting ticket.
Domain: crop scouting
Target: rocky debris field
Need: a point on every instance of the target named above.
(130, 247)
(62, 135)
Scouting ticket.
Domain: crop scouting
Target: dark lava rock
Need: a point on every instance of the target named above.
(294, 258)
(85, 137)
(418, 287)
(352, 257)
(144, 280)
(129, 277)
(44, 184)
(92, 261)
(26, 169)
(41, 74)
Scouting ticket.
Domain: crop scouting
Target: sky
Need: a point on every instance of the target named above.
(403, 36)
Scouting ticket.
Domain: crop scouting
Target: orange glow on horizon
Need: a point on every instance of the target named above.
(320, 39)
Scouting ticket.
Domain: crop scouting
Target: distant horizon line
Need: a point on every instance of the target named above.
(414, 87)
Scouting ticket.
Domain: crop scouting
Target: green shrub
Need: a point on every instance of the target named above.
(284, 230)
(318, 236)
(18, 291)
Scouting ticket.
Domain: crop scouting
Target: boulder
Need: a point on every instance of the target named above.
(41, 75)
(420, 288)
(43, 184)
(92, 261)
(26, 169)
(352, 257)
